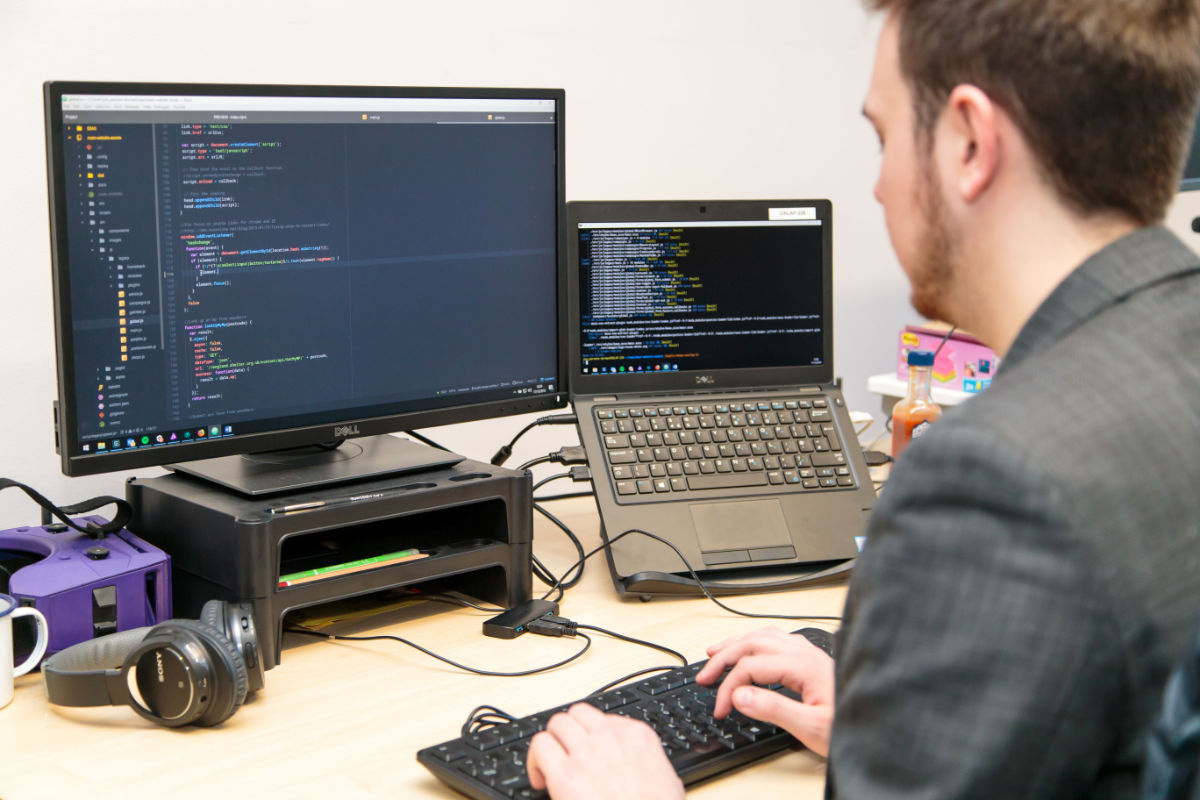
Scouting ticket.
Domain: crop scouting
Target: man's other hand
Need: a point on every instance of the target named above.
(585, 753)
(771, 656)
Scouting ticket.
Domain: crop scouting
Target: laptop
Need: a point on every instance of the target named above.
(701, 358)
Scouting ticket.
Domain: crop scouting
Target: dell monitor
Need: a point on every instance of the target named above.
(245, 276)
(1184, 214)
(1191, 168)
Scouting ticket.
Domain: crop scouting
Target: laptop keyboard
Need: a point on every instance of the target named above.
(780, 444)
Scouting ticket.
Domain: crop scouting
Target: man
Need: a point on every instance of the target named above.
(1032, 570)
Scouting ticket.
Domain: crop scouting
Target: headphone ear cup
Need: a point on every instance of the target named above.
(229, 688)
(236, 621)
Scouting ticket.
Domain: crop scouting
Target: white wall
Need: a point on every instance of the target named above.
(673, 99)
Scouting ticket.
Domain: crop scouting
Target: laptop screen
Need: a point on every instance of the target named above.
(676, 295)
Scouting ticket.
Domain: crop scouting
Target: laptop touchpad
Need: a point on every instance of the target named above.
(742, 524)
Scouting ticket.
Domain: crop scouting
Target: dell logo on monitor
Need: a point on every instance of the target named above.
(342, 431)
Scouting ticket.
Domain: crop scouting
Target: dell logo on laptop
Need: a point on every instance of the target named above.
(705, 380)
(340, 431)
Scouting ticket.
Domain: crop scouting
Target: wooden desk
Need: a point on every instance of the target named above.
(345, 719)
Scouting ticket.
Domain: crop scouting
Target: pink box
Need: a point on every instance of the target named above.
(964, 364)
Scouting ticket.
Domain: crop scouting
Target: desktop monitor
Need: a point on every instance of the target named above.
(1184, 215)
(241, 270)
(1191, 168)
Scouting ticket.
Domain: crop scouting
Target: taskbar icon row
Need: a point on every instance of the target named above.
(157, 440)
(588, 369)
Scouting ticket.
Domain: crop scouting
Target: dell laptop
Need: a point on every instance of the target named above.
(701, 358)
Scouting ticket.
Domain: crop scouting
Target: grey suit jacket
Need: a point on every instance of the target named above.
(1032, 569)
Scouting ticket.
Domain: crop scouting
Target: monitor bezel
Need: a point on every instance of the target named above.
(67, 442)
(594, 211)
(1191, 183)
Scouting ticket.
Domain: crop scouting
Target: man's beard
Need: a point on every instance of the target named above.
(932, 274)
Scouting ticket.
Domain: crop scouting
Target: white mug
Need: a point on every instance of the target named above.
(9, 610)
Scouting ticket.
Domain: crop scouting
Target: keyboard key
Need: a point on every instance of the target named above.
(727, 480)
(451, 751)
(621, 456)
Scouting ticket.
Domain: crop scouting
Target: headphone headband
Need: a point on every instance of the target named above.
(82, 674)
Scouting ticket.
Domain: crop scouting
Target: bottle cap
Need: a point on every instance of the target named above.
(920, 358)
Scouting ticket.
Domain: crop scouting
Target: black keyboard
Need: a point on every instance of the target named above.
(490, 764)
(773, 444)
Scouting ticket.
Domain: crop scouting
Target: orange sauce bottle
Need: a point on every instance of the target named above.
(912, 416)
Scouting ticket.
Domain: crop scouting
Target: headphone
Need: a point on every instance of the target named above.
(176, 673)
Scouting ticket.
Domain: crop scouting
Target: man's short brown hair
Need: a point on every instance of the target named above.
(1104, 91)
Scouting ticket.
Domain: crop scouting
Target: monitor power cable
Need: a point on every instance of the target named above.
(505, 452)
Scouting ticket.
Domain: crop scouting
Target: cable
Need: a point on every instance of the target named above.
(942, 343)
(565, 496)
(863, 419)
(543, 574)
(661, 648)
(565, 583)
(564, 455)
(477, 721)
(415, 646)
(504, 452)
(695, 577)
(631, 676)
(876, 458)
(461, 601)
(544, 481)
(533, 462)
(429, 442)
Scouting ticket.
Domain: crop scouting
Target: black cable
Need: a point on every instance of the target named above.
(695, 577)
(429, 442)
(876, 458)
(414, 645)
(544, 481)
(459, 601)
(470, 727)
(504, 452)
(566, 583)
(630, 677)
(543, 574)
(661, 648)
(565, 496)
(533, 462)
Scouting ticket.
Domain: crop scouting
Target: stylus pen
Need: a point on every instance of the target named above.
(354, 498)
(296, 507)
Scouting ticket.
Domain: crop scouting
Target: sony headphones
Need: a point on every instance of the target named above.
(176, 673)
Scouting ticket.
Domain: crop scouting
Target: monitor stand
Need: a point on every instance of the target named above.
(277, 471)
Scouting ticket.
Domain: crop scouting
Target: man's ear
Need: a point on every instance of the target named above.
(973, 141)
